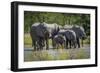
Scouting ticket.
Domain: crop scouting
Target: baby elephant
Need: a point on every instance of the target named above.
(59, 40)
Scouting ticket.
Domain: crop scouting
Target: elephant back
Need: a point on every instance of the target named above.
(70, 35)
(79, 31)
(38, 30)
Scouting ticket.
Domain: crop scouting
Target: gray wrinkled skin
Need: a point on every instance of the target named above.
(59, 40)
(70, 37)
(80, 33)
(38, 34)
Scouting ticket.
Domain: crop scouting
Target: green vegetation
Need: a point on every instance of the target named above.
(59, 18)
(81, 54)
(41, 55)
(64, 56)
(60, 54)
(27, 40)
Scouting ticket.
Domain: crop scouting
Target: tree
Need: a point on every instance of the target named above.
(59, 18)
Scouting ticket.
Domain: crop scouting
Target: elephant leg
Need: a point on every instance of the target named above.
(47, 45)
(53, 45)
(39, 44)
(70, 43)
(78, 42)
(58, 45)
(34, 44)
(66, 44)
(74, 44)
(42, 43)
(62, 46)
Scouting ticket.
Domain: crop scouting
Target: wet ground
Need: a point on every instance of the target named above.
(57, 54)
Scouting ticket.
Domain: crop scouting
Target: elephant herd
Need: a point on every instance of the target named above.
(67, 36)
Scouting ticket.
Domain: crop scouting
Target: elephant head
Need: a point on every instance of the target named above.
(52, 30)
(80, 33)
(79, 30)
(59, 40)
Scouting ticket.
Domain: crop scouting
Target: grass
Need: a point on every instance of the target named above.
(58, 54)
(64, 56)
(39, 56)
(27, 40)
(82, 54)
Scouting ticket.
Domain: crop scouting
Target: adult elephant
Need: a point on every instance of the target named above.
(80, 34)
(70, 37)
(53, 30)
(39, 35)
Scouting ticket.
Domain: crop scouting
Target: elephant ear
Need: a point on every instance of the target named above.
(58, 29)
(83, 34)
(40, 30)
(67, 34)
(76, 30)
(79, 31)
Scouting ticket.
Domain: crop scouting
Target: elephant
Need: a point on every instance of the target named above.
(53, 30)
(53, 34)
(80, 34)
(70, 36)
(39, 35)
(59, 40)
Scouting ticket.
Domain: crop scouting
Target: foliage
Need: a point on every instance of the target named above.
(27, 40)
(59, 18)
(63, 56)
